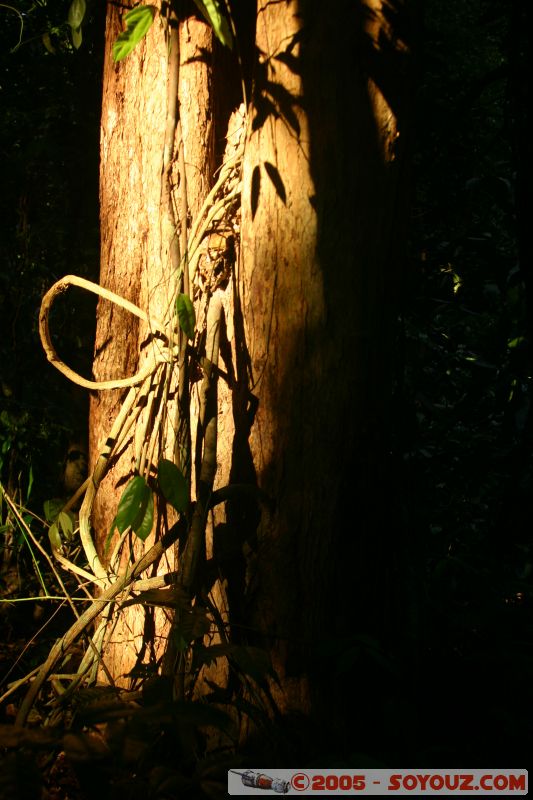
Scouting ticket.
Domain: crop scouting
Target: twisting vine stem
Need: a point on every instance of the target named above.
(144, 387)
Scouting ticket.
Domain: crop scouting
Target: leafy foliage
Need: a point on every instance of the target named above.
(186, 314)
(173, 485)
(136, 508)
(213, 14)
(76, 15)
(463, 470)
(138, 21)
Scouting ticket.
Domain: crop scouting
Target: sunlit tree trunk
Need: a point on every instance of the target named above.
(305, 365)
(322, 220)
(136, 234)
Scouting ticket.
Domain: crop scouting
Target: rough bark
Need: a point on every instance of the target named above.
(135, 251)
(322, 210)
(306, 335)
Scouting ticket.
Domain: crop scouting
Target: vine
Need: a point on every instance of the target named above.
(135, 511)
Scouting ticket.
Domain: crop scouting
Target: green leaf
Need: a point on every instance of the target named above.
(76, 37)
(145, 526)
(186, 315)
(512, 343)
(76, 14)
(212, 13)
(138, 21)
(133, 504)
(173, 485)
(55, 537)
(65, 523)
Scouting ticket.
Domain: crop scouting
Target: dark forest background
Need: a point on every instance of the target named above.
(453, 686)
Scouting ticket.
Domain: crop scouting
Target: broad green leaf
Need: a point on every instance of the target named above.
(55, 537)
(138, 21)
(212, 13)
(173, 485)
(143, 525)
(186, 315)
(76, 14)
(133, 504)
(66, 524)
(76, 37)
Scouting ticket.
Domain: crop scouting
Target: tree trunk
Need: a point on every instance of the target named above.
(322, 219)
(306, 337)
(136, 259)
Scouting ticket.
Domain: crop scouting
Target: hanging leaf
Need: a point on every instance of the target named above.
(145, 526)
(76, 37)
(173, 485)
(76, 14)
(186, 315)
(138, 21)
(133, 505)
(55, 537)
(212, 13)
(65, 522)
